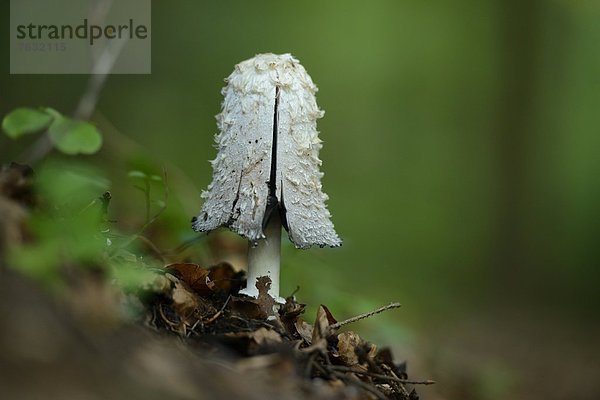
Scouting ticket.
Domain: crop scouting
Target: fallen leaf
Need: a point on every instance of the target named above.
(289, 314)
(184, 302)
(366, 353)
(247, 307)
(347, 344)
(324, 320)
(304, 329)
(265, 336)
(249, 342)
(291, 309)
(261, 336)
(225, 278)
(196, 277)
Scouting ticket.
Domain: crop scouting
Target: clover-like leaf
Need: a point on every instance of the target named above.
(25, 121)
(75, 137)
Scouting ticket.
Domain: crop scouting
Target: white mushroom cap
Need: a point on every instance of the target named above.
(238, 194)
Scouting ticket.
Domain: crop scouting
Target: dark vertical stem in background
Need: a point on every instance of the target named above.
(104, 60)
(518, 56)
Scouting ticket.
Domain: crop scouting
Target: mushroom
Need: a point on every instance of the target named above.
(266, 174)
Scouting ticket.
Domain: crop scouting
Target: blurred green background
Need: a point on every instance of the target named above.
(461, 144)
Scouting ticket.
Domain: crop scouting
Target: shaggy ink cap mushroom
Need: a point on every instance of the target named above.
(267, 170)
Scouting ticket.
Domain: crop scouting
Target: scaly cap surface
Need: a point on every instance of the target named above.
(237, 196)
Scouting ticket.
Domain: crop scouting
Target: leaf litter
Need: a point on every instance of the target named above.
(263, 336)
(202, 308)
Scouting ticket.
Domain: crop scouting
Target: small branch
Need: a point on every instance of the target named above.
(152, 246)
(218, 313)
(193, 328)
(342, 368)
(164, 317)
(183, 246)
(357, 382)
(309, 364)
(338, 325)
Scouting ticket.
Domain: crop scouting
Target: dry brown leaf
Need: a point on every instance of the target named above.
(196, 277)
(264, 336)
(184, 301)
(247, 307)
(305, 330)
(224, 277)
(261, 308)
(291, 310)
(373, 351)
(324, 320)
(347, 344)
(289, 314)
(248, 342)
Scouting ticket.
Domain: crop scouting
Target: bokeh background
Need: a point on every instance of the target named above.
(461, 157)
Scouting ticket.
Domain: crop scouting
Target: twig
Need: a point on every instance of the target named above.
(295, 291)
(338, 325)
(164, 317)
(342, 368)
(152, 246)
(396, 385)
(309, 364)
(218, 313)
(360, 384)
(193, 328)
(320, 368)
(184, 245)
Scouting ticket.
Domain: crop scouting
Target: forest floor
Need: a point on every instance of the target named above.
(77, 330)
(191, 337)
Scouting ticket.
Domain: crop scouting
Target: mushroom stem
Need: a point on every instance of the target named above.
(264, 260)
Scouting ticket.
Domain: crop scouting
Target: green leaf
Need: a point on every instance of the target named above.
(53, 113)
(137, 174)
(132, 276)
(75, 137)
(75, 184)
(24, 121)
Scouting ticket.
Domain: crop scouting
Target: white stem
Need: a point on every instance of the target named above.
(264, 260)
